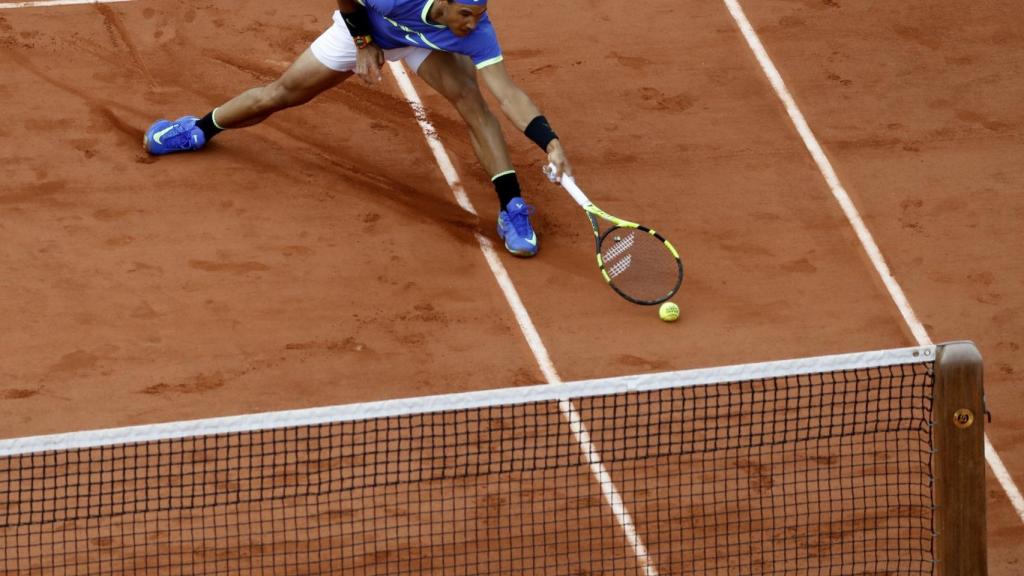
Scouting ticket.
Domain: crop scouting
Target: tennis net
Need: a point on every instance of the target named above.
(814, 466)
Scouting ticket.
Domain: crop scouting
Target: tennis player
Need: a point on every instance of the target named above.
(448, 43)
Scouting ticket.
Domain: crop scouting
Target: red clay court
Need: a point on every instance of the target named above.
(320, 258)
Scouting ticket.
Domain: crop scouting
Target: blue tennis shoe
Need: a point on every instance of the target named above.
(515, 229)
(166, 137)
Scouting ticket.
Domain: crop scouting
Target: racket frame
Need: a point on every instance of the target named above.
(593, 213)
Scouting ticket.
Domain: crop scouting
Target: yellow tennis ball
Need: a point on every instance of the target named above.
(669, 312)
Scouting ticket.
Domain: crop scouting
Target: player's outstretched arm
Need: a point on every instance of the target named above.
(518, 107)
(369, 58)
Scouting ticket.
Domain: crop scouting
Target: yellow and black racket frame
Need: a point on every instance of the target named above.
(594, 213)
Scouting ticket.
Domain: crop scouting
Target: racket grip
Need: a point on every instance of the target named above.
(550, 172)
(569, 183)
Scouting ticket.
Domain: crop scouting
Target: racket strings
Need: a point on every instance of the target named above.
(639, 265)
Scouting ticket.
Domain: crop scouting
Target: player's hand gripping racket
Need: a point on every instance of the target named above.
(637, 262)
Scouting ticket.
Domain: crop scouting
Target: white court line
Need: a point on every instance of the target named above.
(540, 352)
(866, 239)
(48, 3)
(1000, 471)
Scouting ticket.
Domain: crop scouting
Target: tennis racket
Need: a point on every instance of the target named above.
(637, 262)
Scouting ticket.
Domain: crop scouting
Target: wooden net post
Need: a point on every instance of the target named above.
(959, 465)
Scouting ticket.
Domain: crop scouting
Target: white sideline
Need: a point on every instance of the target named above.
(48, 3)
(540, 352)
(866, 239)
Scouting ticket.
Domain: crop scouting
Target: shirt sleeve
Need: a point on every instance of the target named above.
(482, 45)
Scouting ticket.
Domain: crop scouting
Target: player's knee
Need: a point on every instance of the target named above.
(279, 95)
(470, 102)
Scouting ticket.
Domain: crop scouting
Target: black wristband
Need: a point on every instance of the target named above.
(540, 132)
(358, 22)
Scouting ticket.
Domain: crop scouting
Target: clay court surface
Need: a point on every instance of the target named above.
(320, 258)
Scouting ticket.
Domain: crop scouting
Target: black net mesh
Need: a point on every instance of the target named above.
(815, 474)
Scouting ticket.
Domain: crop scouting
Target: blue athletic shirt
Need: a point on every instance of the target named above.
(398, 23)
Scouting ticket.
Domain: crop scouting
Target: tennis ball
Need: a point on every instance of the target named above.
(669, 312)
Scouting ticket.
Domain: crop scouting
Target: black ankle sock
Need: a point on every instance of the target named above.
(507, 186)
(208, 127)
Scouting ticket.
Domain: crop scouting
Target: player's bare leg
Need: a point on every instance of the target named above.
(454, 77)
(304, 80)
(301, 82)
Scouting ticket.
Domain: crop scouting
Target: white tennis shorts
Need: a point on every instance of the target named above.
(336, 49)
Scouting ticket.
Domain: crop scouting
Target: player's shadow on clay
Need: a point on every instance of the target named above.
(371, 182)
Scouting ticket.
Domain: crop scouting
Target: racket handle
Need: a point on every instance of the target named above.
(569, 183)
